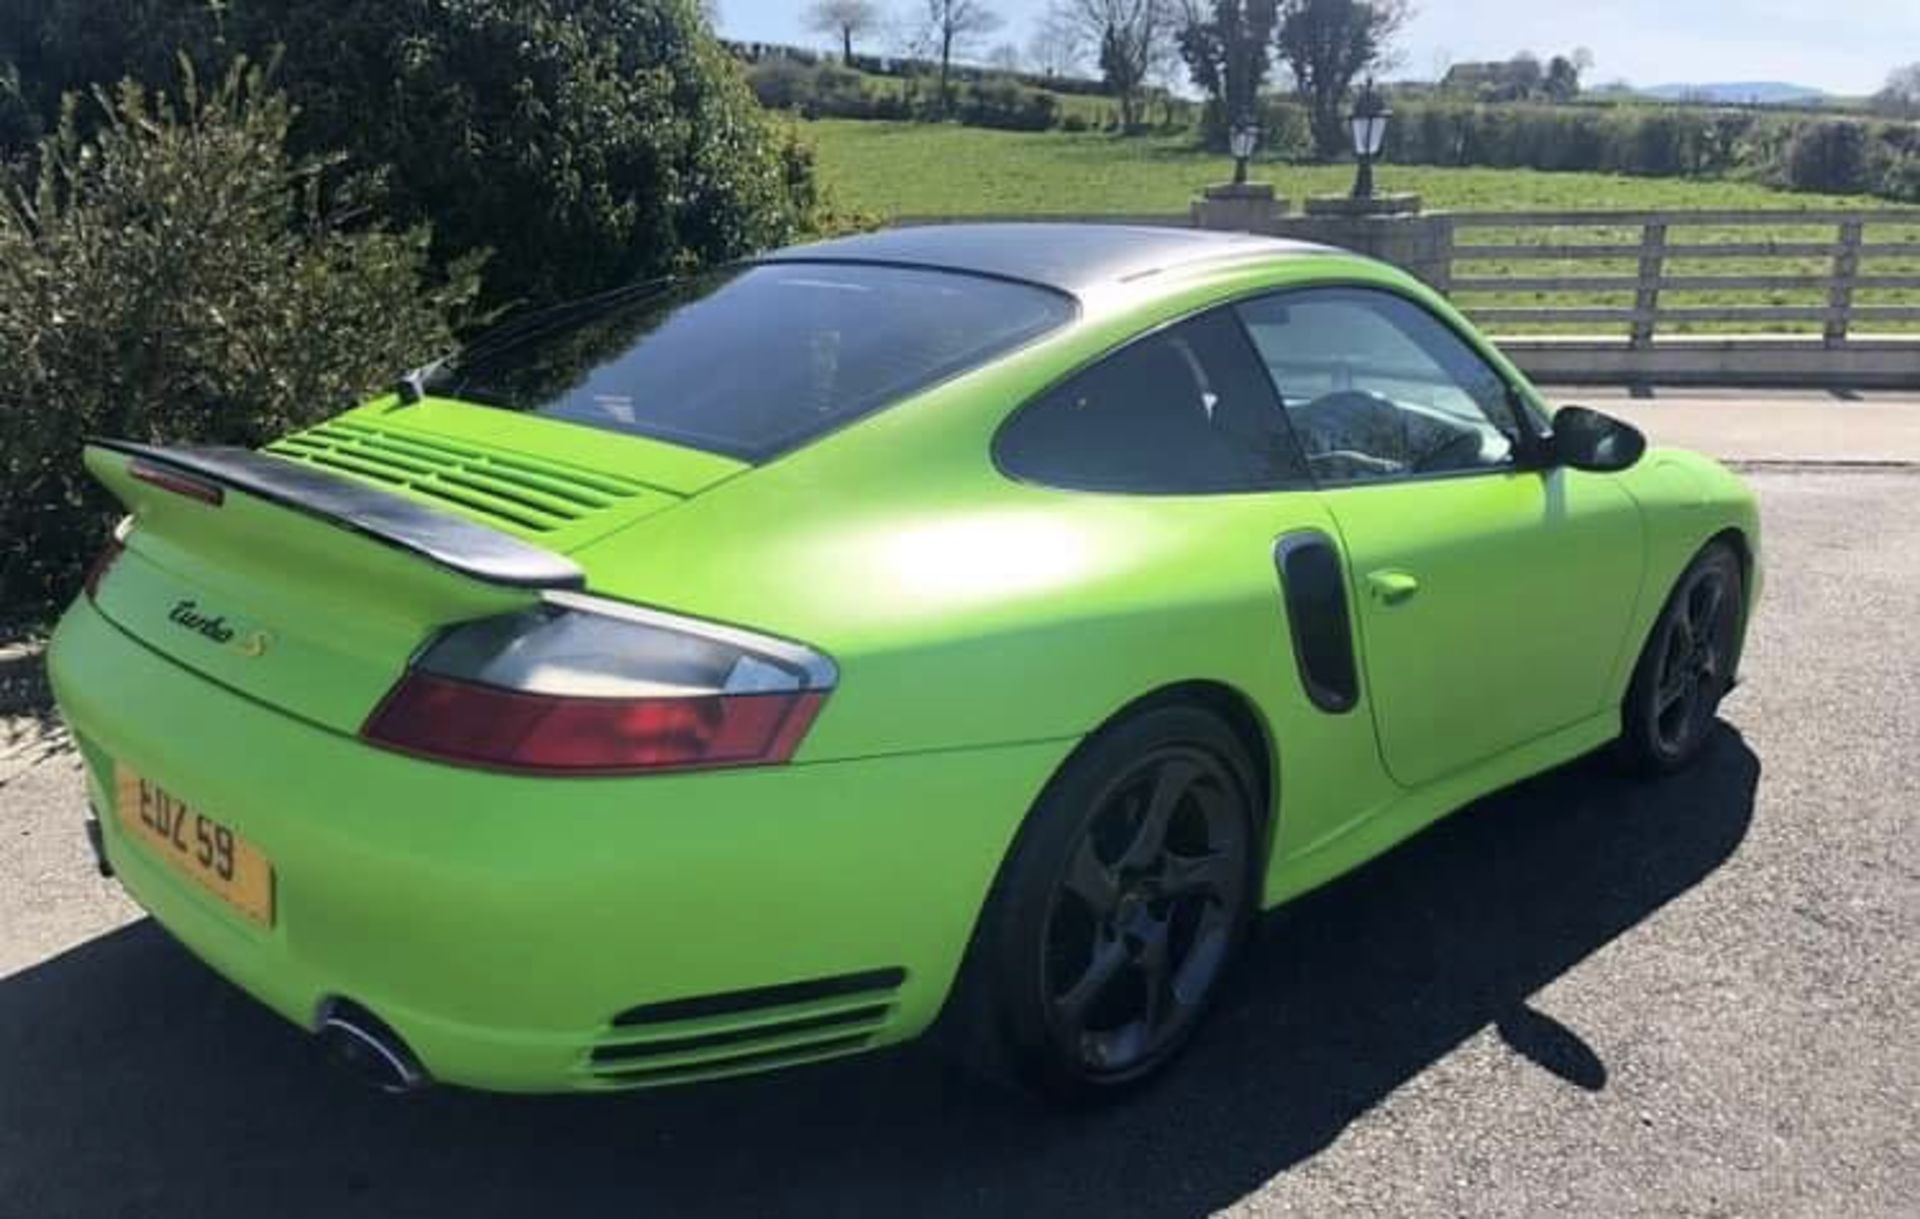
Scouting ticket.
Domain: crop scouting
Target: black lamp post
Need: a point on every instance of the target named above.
(1368, 123)
(1242, 140)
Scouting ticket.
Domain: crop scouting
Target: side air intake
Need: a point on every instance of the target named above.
(705, 1036)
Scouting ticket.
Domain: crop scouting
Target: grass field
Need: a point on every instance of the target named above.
(920, 169)
(913, 169)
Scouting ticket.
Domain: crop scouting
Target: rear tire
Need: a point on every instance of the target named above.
(1116, 915)
(1687, 666)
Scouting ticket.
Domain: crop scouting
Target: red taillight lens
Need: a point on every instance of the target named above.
(177, 481)
(582, 686)
(471, 724)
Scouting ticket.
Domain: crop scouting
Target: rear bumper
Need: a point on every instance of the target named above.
(500, 923)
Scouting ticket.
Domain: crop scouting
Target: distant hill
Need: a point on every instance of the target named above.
(1739, 93)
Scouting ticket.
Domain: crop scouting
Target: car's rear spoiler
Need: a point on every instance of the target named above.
(464, 547)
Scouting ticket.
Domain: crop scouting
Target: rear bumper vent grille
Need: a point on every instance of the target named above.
(526, 495)
(747, 1030)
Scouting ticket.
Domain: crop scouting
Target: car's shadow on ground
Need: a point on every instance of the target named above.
(132, 1081)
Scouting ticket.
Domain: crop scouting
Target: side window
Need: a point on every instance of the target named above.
(1186, 410)
(1375, 387)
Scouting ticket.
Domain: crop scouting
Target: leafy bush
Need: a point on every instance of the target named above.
(782, 82)
(584, 142)
(909, 66)
(1004, 103)
(1285, 130)
(19, 125)
(1828, 156)
(175, 275)
(822, 89)
(1802, 152)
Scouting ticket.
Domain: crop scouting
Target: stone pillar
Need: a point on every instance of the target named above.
(1391, 228)
(1245, 207)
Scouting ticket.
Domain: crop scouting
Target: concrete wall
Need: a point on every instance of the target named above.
(1758, 361)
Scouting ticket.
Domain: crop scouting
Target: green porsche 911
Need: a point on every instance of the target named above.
(966, 628)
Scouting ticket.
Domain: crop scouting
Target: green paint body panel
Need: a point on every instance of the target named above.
(982, 628)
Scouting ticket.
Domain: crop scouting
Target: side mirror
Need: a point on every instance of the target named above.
(1588, 440)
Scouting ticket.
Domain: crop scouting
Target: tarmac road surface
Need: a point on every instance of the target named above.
(1584, 995)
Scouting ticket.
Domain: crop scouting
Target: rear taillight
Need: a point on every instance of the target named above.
(583, 686)
(179, 482)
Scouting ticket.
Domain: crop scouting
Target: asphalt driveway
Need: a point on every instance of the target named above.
(1583, 995)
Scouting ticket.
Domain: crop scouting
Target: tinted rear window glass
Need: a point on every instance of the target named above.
(1183, 411)
(752, 362)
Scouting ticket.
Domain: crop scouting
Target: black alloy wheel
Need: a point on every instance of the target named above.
(1146, 913)
(1688, 664)
(1120, 909)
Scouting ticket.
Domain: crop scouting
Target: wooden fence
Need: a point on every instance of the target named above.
(1622, 323)
(1847, 258)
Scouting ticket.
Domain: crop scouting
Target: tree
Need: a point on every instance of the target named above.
(1165, 74)
(954, 26)
(1226, 47)
(1055, 47)
(1562, 82)
(586, 143)
(1326, 44)
(845, 20)
(1901, 97)
(1525, 77)
(1127, 35)
(1004, 58)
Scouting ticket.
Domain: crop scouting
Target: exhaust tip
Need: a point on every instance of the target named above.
(361, 1044)
(96, 840)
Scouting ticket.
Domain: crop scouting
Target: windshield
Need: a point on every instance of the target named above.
(752, 362)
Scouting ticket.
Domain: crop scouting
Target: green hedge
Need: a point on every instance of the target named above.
(822, 89)
(1797, 151)
(176, 276)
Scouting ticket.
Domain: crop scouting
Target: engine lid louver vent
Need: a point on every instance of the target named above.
(527, 495)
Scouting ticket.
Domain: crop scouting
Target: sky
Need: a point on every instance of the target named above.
(1841, 46)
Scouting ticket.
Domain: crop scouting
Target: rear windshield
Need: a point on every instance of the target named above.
(749, 362)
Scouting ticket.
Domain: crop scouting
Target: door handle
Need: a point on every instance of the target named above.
(1390, 587)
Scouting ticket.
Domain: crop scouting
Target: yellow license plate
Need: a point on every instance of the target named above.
(197, 846)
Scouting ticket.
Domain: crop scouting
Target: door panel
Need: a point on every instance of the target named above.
(1492, 607)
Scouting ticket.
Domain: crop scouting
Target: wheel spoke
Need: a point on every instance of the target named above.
(1674, 721)
(1156, 974)
(1709, 621)
(1092, 881)
(1109, 957)
(1203, 960)
(1675, 687)
(1211, 874)
(1170, 783)
(1674, 656)
(1683, 637)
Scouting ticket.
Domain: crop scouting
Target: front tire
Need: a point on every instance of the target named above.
(1116, 916)
(1687, 666)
